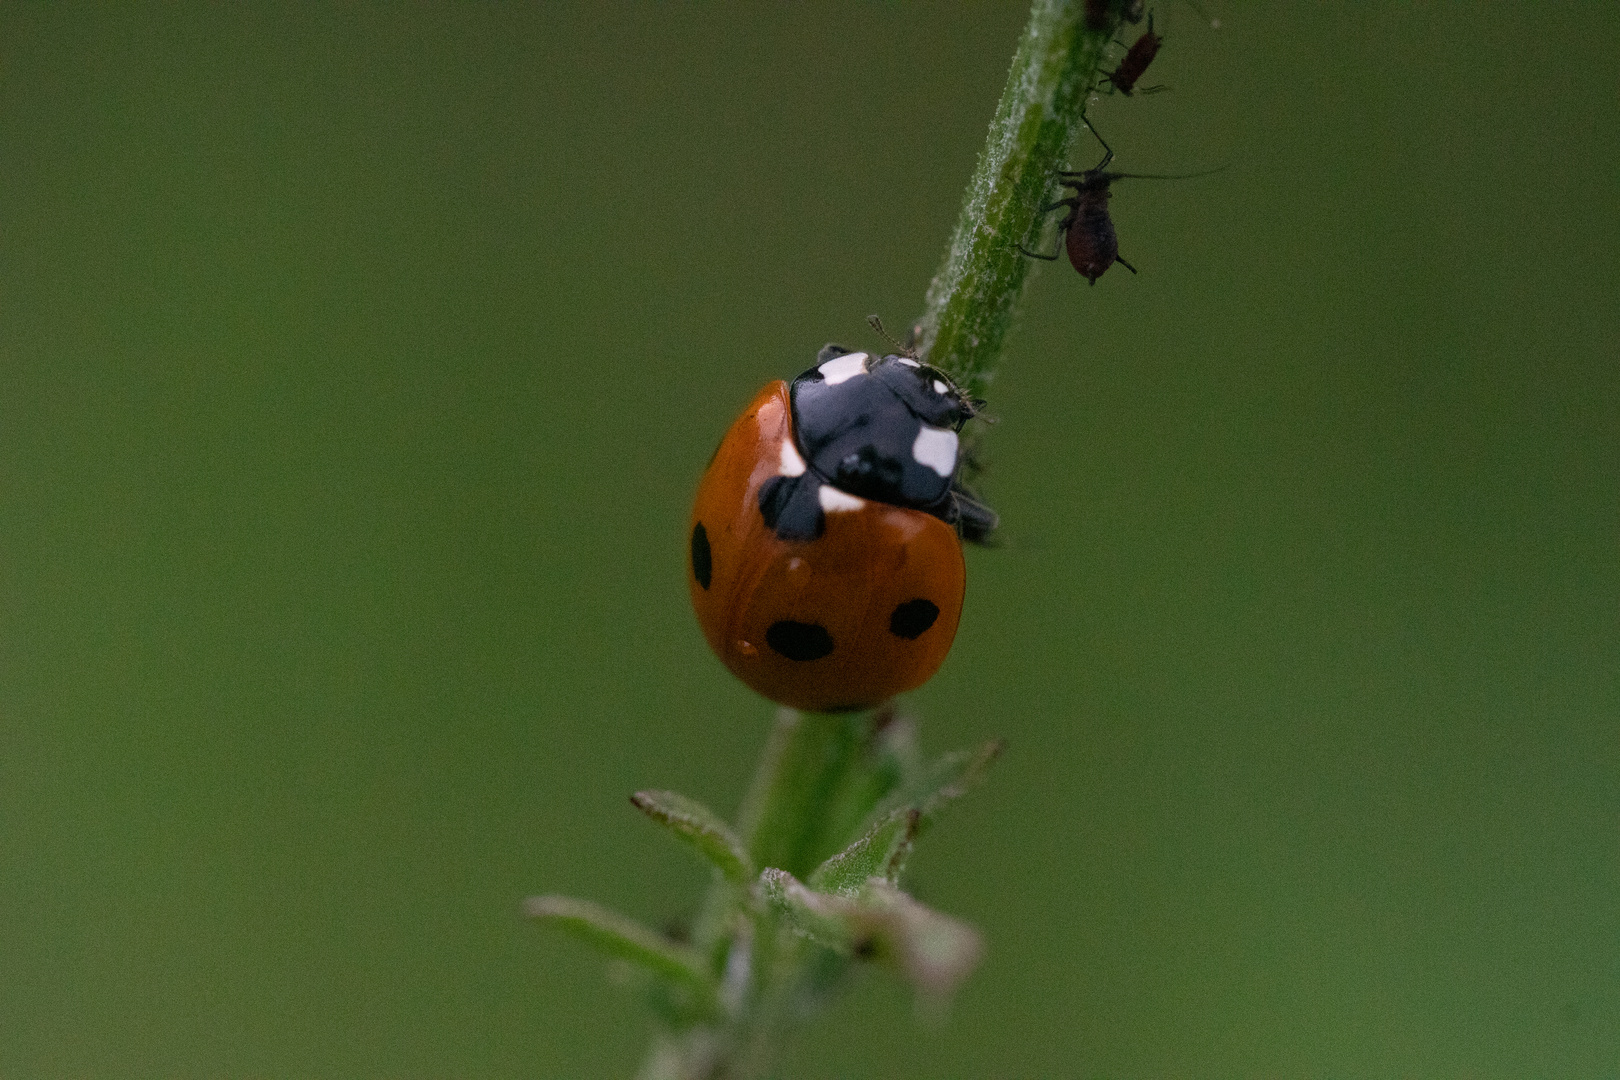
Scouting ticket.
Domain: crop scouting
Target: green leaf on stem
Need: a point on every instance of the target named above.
(700, 827)
(623, 938)
(944, 780)
(821, 917)
(934, 952)
(880, 853)
(883, 849)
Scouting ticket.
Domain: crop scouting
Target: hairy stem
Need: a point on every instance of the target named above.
(972, 299)
(786, 819)
(821, 776)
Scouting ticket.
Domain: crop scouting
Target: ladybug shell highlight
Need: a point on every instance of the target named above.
(858, 603)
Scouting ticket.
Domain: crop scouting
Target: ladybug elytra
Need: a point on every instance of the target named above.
(826, 564)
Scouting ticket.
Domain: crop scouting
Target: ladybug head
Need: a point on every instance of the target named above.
(927, 391)
(882, 429)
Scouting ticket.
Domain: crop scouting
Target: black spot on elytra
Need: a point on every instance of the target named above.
(702, 557)
(912, 618)
(799, 641)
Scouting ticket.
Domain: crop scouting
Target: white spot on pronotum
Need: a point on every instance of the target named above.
(833, 500)
(939, 387)
(792, 463)
(936, 448)
(906, 360)
(843, 367)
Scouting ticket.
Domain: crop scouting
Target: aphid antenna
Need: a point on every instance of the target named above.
(1167, 176)
(1096, 171)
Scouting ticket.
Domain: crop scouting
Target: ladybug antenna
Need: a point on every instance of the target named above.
(970, 405)
(904, 349)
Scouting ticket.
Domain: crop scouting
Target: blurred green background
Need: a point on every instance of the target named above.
(357, 364)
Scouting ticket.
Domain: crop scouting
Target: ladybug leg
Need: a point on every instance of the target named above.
(974, 520)
(791, 506)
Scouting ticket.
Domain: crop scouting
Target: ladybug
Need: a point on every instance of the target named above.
(826, 559)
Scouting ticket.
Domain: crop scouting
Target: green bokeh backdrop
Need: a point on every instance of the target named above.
(356, 367)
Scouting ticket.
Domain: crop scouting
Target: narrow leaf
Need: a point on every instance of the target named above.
(880, 853)
(701, 827)
(944, 780)
(822, 918)
(624, 938)
(934, 952)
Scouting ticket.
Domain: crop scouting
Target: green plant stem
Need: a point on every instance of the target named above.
(820, 775)
(972, 299)
(789, 819)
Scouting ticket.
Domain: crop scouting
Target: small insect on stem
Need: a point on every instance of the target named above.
(1088, 230)
(1135, 64)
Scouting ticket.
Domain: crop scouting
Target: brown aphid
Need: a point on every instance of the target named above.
(1088, 231)
(1135, 64)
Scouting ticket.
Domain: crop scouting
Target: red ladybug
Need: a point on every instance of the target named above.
(826, 563)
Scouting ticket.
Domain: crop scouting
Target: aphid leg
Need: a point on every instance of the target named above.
(1108, 151)
(1022, 250)
(1073, 206)
(1123, 263)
